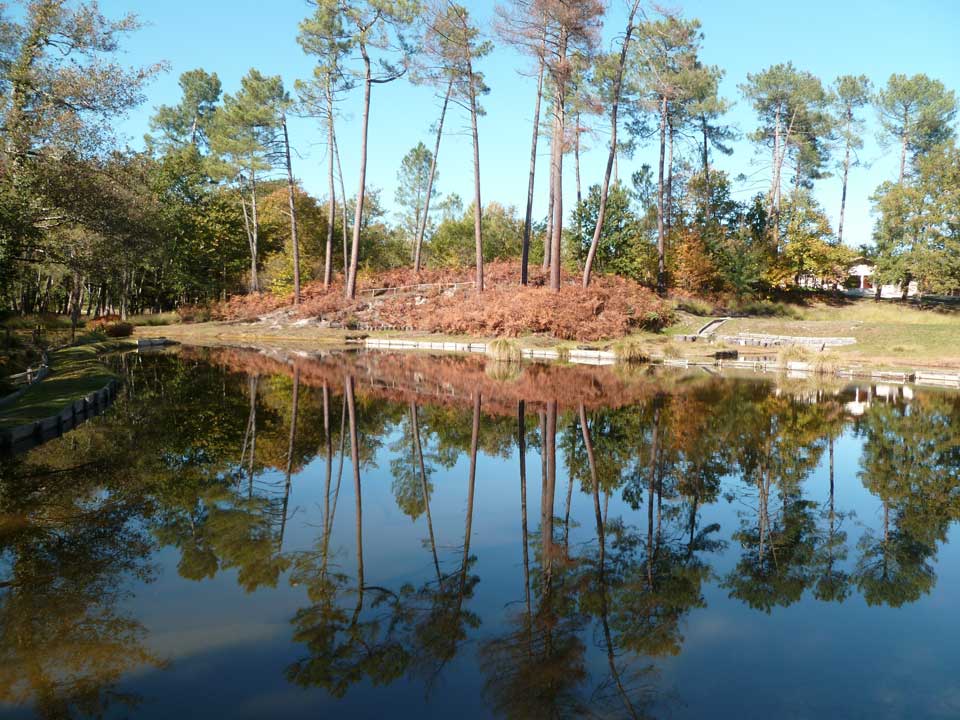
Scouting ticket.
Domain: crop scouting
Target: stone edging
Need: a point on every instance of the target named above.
(582, 356)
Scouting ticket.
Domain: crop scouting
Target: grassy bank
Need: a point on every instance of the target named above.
(74, 373)
(888, 335)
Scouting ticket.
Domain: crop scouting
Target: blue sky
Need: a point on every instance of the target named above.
(827, 38)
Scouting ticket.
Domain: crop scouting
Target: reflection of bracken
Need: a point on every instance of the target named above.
(453, 380)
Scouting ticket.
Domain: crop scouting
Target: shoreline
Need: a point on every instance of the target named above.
(672, 352)
(78, 387)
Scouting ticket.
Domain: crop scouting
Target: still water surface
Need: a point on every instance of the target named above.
(250, 535)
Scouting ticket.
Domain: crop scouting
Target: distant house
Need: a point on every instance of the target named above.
(863, 270)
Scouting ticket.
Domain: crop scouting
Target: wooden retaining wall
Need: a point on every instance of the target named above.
(68, 418)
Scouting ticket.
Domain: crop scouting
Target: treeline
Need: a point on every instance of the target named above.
(212, 205)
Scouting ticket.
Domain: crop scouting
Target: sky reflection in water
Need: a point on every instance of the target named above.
(672, 546)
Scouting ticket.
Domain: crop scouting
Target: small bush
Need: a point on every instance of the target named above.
(118, 330)
(766, 308)
(504, 350)
(631, 350)
(194, 313)
(820, 362)
(695, 306)
(563, 351)
(155, 319)
(671, 351)
(503, 371)
(101, 323)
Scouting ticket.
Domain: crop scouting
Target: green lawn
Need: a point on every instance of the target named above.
(886, 333)
(75, 372)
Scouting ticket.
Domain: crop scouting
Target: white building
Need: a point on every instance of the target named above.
(863, 271)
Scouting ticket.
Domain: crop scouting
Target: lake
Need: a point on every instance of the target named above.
(264, 533)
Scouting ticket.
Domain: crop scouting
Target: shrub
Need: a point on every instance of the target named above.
(101, 323)
(766, 308)
(563, 351)
(821, 362)
(504, 350)
(695, 306)
(155, 319)
(611, 307)
(631, 350)
(118, 330)
(194, 313)
(503, 371)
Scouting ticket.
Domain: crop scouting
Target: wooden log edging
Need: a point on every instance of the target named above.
(66, 419)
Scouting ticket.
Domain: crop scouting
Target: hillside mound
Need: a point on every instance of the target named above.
(446, 301)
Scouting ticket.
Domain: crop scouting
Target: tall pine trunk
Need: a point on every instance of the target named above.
(612, 155)
(351, 287)
(669, 209)
(548, 231)
(251, 223)
(661, 226)
(477, 207)
(343, 209)
(576, 162)
(903, 147)
(291, 197)
(331, 190)
(705, 150)
(528, 216)
(422, 225)
(558, 138)
(846, 174)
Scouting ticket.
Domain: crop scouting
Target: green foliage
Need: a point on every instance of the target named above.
(849, 94)
(188, 123)
(312, 224)
(917, 235)
(452, 245)
(626, 247)
(118, 330)
(916, 112)
(411, 192)
(810, 254)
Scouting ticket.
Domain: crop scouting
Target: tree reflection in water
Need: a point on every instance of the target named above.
(204, 457)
